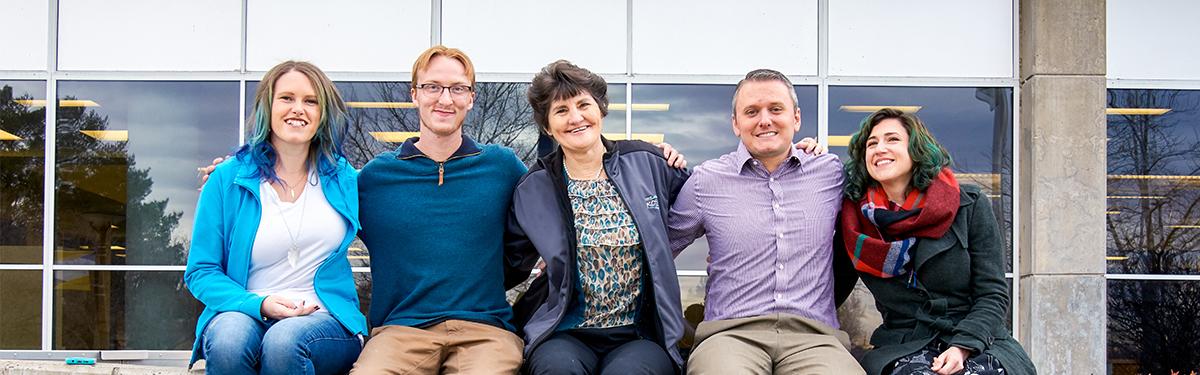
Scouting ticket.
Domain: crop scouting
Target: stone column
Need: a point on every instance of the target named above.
(1063, 299)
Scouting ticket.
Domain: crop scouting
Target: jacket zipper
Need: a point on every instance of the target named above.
(442, 164)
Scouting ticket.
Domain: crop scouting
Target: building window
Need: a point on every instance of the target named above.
(126, 163)
(22, 167)
(696, 120)
(1153, 225)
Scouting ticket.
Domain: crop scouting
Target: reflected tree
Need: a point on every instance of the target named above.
(21, 171)
(1151, 230)
(104, 216)
(499, 116)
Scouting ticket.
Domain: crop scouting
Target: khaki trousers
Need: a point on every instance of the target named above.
(449, 347)
(776, 343)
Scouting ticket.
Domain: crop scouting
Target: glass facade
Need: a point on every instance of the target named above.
(1153, 228)
(128, 137)
(126, 186)
(21, 310)
(22, 167)
(127, 152)
(113, 310)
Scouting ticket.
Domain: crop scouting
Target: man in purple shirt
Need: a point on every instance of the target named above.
(768, 211)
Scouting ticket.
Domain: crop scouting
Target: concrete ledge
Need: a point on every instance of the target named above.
(13, 367)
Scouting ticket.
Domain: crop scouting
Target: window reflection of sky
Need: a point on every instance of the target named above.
(1152, 224)
(698, 123)
(173, 128)
(960, 118)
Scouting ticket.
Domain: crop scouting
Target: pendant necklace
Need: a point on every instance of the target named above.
(293, 255)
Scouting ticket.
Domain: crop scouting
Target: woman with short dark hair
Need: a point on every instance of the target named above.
(931, 253)
(596, 211)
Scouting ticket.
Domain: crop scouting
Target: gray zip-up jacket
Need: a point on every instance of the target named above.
(541, 223)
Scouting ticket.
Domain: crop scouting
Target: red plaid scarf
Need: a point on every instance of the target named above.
(878, 234)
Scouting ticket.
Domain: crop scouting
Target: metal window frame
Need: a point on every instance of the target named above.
(822, 81)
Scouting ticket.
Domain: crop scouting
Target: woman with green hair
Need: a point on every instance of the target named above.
(930, 251)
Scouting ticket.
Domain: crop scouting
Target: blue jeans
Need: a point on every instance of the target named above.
(235, 343)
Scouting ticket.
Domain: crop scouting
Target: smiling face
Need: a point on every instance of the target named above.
(295, 111)
(887, 157)
(575, 122)
(442, 114)
(765, 119)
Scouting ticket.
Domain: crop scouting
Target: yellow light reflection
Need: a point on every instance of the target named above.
(61, 103)
(6, 136)
(1184, 226)
(873, 108)
(1112, 212)
(1137, 111)
(839, 141)
(651, 107)
(654, 138)
(381, 105)
(394, 137)
(108, 135)
(1116, 258)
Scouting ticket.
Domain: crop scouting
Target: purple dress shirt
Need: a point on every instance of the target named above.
(770, 235)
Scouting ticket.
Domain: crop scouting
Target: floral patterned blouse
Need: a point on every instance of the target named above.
(609, 257)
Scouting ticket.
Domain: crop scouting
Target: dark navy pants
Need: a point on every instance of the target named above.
(617, 350)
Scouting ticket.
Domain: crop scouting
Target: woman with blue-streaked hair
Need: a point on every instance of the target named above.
(268, 252)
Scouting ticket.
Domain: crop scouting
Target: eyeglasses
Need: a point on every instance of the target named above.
(433, 89)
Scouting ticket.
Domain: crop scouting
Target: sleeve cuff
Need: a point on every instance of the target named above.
(975, 344)
(253, 307)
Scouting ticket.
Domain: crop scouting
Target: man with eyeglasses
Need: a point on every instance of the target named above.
(433, 214)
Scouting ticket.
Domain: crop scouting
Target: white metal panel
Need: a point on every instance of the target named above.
(355, 36)
(132, 35)
(724, 37)
(1153, 39)
(25, 30)
(921, 38)
(522, 36)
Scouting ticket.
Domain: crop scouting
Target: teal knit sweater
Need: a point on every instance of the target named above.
(436, 249)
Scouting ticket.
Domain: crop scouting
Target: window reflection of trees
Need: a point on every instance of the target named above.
(1156, 228)
(101, 199)
(1154, 326)
(105, 216)
(500, 116)
(21, 171)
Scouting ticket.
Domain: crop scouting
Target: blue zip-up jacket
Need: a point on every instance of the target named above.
(227, 219)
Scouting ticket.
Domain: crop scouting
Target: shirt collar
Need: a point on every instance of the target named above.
(409, 148)
(742, 157)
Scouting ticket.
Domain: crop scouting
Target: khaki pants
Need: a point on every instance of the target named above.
(776, 343)
(449, 347)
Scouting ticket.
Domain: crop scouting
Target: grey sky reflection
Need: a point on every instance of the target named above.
(699, 125)
(961, 121)
(173, 128)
